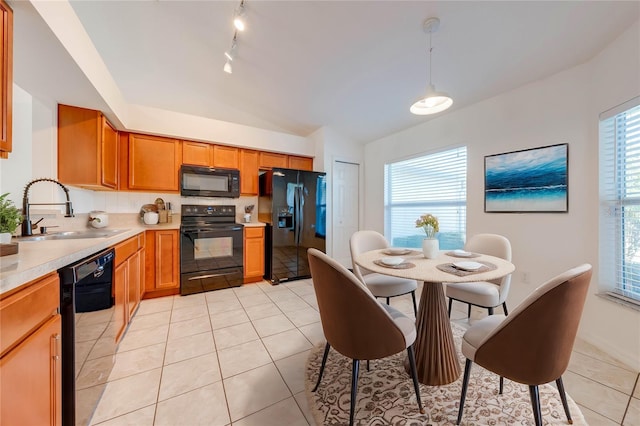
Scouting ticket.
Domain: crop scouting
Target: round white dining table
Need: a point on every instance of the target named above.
(435, 352)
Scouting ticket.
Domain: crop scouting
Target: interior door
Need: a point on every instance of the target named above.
(345, 208)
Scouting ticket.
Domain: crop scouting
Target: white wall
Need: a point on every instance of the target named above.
(561, 109)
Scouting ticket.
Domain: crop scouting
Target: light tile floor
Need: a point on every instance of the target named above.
(237, 357)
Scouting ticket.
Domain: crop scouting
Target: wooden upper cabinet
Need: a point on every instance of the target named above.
(197, 153)
(248, 172)
(225, 156)
(6, 79)
(87, 135)
(154, 163)
(109, 146)
(300, 163)
(269, 160)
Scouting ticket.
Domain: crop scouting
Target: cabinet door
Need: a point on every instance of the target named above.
(133, 283)
(109, 146)
(225, 156)
(269, 160)
(154, 163)
(248, 172)
(197, 154)
(6, 79)
(253, 254)
(167, 270)
(30, 379)
(300, 163)
(121, 291)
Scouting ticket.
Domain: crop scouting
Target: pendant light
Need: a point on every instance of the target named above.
(433, 101)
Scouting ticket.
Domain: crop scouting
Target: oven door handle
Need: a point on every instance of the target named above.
(200, 277)
(208, 230)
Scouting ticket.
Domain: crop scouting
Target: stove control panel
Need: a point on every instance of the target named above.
(196, 210)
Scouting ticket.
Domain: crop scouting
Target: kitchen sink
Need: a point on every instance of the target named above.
(75, 235)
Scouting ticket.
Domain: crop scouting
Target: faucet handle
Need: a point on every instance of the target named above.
(34, 224)
(43, 229)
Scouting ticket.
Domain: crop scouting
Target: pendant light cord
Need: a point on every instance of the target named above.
(430, 61)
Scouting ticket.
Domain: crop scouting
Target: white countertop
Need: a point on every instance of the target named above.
(38, 258)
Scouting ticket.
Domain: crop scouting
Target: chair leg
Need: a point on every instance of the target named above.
(504, 308)
(450, 304)
(354, 389)
(535, 404)
(387, 301)
(414, 376)
(465, 383)
(415, 305)
(501, 384)
(368, 366)
(563, 397)
(469, 310)
(324, 361)
(490, 311)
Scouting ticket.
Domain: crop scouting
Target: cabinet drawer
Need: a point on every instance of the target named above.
(127, 248)
(24, 311)
(253, 232)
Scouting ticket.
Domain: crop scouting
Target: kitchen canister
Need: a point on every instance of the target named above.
(98, 219)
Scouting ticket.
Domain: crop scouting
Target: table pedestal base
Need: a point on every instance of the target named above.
(436, 359)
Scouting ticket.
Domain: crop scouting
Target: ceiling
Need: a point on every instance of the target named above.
(355, 66)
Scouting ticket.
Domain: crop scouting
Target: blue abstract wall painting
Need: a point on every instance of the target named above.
(528, 181)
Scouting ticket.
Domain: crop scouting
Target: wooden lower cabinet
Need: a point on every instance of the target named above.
(162, 263)
(253, 254)
(30, 364)
(128, 279)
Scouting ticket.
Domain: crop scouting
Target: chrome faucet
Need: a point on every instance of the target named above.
(27, 226)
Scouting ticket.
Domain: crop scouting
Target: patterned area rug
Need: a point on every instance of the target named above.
(386, 396)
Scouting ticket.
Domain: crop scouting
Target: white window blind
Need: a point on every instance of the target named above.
(434, 183)
(619, 248)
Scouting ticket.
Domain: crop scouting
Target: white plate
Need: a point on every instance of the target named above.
(396, 251)
(468, 266)
(392, 261)
(461, 253)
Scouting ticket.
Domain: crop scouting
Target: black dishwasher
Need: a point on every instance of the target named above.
(88, 282)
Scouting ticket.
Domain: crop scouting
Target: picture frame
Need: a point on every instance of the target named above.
(534, 180)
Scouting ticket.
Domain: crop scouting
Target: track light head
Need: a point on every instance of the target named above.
(227, 67)
(239, 20)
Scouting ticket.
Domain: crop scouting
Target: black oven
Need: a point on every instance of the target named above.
(198, 181)
(210, 249)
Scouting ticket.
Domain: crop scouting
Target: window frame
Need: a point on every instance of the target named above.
(613, 163)
(429, 206)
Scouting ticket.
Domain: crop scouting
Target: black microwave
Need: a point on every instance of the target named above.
(198, 181)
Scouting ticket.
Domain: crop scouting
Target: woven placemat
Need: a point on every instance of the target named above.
(403, 265)
(449, 268)
(470, 256)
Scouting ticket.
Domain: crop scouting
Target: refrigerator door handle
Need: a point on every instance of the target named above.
(300, 214)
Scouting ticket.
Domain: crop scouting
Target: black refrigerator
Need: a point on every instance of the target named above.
(294, 205)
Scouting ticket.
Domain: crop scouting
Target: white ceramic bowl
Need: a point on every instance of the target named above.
(151, 218)
(392, 261)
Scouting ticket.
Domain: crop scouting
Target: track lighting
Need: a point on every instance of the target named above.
(231, 53)
(239, 20)
(227, 67)
(433, 101)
